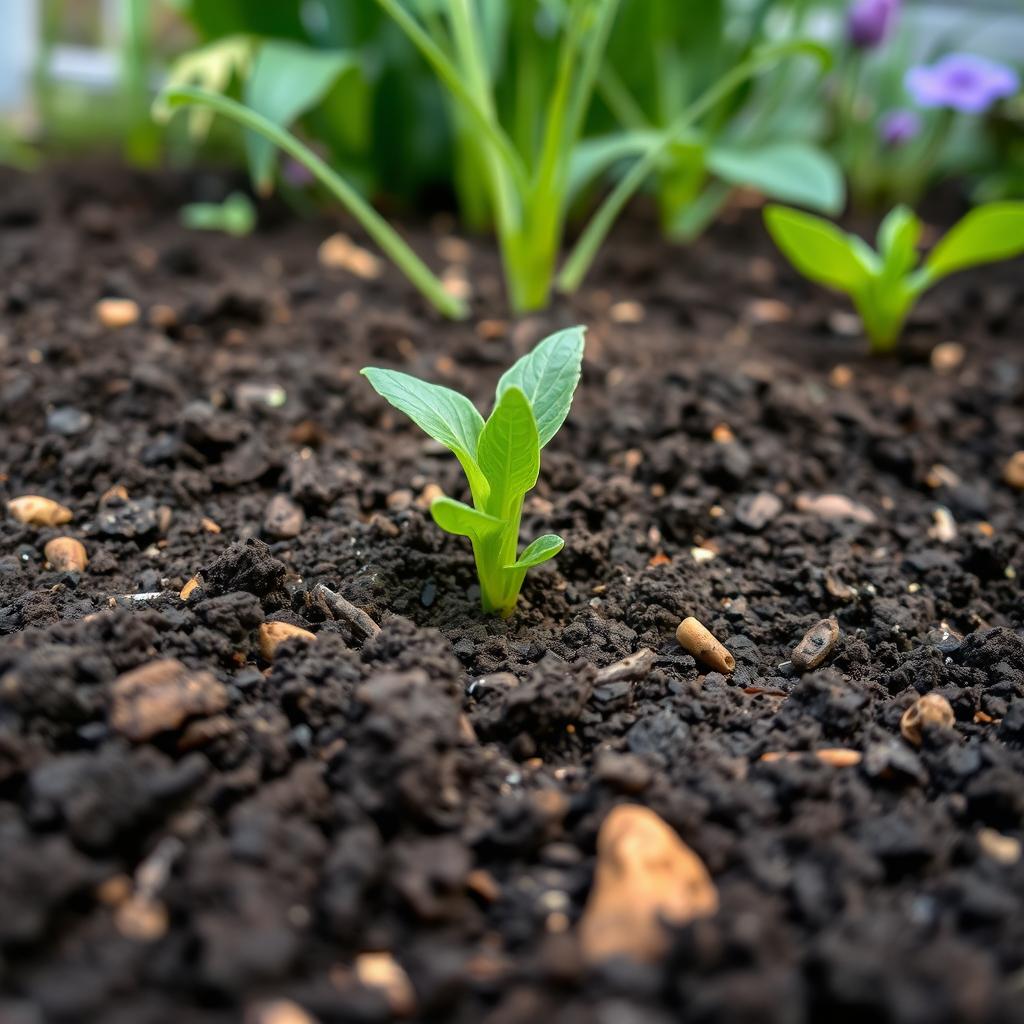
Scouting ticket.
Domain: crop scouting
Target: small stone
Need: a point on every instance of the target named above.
(817, 644)
(944, 526)
(283, 519)
(626, 773)
(33, 510)
(483, 883)
(947, 356)
(160, 696)
(645, 878)
(279, 1011)
(1002, 849)
(117, 313)
(67, 421)
(834, 506)
(339, 252)
(188, 588)
(1013, 471)
(930, 710)
(66, 554)
(141, 920)
(834, 757)
(163, 317)
(769, 311)
(381, 971)
(755, 511)
(273, 634)
(627, 312)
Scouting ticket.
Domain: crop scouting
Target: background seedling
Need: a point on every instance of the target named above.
(235, 216)
(500, 456)
(885, 285)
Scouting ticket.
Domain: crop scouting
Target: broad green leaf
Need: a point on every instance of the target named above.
(445, 415)
(818, 249)
(898, 236)
(988, 233)
(286, 81)
(795, 172)
(212, 68)
(539, 551)
(548, 376)
(463, 520)
(509, 452)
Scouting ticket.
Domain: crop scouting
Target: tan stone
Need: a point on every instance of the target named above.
(117, 313)
(645, 877)
(1013, 471)
(381, 971)
(66, 554)
(273, 634)
(34, 510)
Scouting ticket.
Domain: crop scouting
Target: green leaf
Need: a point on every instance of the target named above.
(447, 416)
(463, 520)
(509, 452)
(898, 236)
(794, 172)
(287, 80)
(539, 551)
(818, 249)
(592, 158)
(548, 376)
(987, 234)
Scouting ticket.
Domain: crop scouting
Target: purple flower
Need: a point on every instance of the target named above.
(961, 81)
(898, 127)
(869, 22)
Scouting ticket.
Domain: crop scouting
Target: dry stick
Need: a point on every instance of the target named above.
(344, 611)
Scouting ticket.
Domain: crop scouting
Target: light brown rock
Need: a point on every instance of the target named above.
(834, 506)
(695, 637)
(381, 971)
(931, 709)
(1001, 848)
(273, 634)
(34, 510)
(1013, 471)
(645, 877)
(66, 554)
(117, 313)
(816, 645)
(283, 518)
(160, 696)
(835, 757)
(278, 1011)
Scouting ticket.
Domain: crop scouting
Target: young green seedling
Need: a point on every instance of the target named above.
(500, 457)
(234, 216)
(885, 285)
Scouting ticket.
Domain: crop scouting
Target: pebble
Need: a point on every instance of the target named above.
(627, 312)
(273, 634)
(930, 710)
(117, 313)
(695, 637)
(645, 878)
(834, 506)
(1013, 471)
(283, 519)
(817, 644)
(835, 757)
(944, 526)
(947, 356)
(161, 695)
(755, 511)
(66, 554)
(626, 773)
(381, 971)
(339, 252)
(279, 1011)
(67, 421)
(1002, 849)
(34, 510)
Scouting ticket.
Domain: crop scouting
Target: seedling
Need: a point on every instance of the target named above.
(235, 216)
(885, 285)
(500, 457)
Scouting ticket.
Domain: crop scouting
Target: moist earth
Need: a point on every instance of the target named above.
(223, 833)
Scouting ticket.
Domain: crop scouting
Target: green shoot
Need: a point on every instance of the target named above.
(500, 456)
(390, 241)
(885, 284)
(235, 216)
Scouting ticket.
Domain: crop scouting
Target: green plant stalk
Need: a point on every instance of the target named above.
(393, 245)
(142, 141)
(499, 585)
(586, 248)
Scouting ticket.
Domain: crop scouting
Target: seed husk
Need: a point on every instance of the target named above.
(66, 554)
(817, 644)
(931, 709)
(695, 637)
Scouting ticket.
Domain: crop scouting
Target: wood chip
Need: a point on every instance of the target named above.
(66, 554)
(337, 608)
(33, 510)
(645, 877)
(273, 634)
(634, 667)
(695, 637)
(930, 710)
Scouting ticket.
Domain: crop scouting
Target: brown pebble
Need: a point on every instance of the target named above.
(645, 878)
(834, 506)
(141, 919)
(188, 588)
(835, 757)
(273, 634)
(930, 710)
(339, 252)
(279, 1011)
(695, 637)
(1013, 471)
(626, 773)
(381, 971)
(205, 730)
(161, 695)
(817, 644)
(66, 554)
(1002, 849)
(34, 510)
(283, 518)
(117, 313)
(163, 317)
(484, 885)
(209, 525)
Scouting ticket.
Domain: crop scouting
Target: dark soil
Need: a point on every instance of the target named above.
(435, 791)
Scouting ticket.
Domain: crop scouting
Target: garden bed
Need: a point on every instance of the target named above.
(434, 792)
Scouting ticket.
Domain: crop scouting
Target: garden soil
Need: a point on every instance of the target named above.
(401, 822)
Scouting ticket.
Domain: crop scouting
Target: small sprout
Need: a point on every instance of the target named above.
(500, 457)
(885, 285)
(235, 216)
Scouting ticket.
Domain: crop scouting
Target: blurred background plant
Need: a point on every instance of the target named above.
(921, 94)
